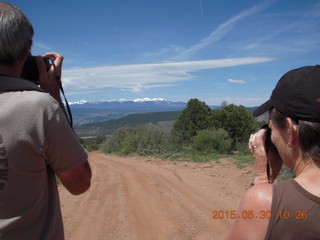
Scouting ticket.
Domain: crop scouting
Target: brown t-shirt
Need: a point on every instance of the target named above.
(35, 142)
(295, 213)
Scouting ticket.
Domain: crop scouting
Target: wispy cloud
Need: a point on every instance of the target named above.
(40, 47)
(258, 43)
(139, 77)
(236, 81)
(296, 31)
(222, 30)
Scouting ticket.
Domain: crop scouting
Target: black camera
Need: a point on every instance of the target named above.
(30, 69)
(269, 147)
(268, 144)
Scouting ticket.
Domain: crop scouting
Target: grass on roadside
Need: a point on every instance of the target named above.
(241, 160)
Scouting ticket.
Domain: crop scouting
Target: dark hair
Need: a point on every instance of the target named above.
(16, 34)
(308, 134)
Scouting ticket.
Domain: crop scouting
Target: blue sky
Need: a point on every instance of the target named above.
(213, 50)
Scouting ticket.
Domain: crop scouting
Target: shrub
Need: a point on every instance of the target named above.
(236, 120)
(123, 142)
(143, 141)
(193, 117)
(92, 144)
(212, 140)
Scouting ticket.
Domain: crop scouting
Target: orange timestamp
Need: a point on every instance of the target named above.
(244, 214)
(263, 214)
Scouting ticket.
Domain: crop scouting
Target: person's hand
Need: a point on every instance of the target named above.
(258, 151)
(48, 80)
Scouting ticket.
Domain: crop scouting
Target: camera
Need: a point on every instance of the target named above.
(268, 144)
(30, 69)
(270, 148)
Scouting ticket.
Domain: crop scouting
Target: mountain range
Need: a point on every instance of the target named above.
(85, 112)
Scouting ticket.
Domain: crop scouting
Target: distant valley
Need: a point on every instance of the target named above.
(162, 120)
(85, 112)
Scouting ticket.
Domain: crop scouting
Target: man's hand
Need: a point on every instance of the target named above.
(48, 81)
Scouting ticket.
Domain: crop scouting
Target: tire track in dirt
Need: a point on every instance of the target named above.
(139, 198)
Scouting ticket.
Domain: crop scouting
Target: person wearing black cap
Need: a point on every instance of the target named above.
(289, 209)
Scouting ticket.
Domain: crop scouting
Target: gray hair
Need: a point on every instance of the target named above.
(16, 34)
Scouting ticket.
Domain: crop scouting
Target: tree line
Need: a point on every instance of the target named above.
(198, 129)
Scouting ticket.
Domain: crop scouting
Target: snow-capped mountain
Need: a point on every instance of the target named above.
(97, 111)
(120, 100)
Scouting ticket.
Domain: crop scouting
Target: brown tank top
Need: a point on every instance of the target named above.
(295, 213)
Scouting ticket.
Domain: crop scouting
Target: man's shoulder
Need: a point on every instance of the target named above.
(33, 103)
(30, 98)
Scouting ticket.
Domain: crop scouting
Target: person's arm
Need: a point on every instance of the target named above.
(253, 214)
(76, 180)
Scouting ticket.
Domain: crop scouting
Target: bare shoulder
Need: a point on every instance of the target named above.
(254, 210)
(259, 196)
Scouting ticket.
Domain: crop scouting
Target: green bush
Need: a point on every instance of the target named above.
(92, 144)
(193, 117)
(142, 141)
(212, 141)
(123, 142)
(236, 120)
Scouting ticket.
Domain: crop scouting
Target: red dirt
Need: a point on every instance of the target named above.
(146, 198)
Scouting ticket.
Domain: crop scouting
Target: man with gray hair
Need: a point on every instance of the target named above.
(36, 141)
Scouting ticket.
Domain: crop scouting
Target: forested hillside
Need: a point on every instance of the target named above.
(102, 129)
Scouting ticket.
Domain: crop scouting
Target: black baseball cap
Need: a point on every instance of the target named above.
(296, 95)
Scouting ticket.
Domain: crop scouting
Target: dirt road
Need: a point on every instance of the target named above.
(148, 199)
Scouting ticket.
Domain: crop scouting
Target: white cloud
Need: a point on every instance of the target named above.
(139, 77)
(223, 29)
(236, 81)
